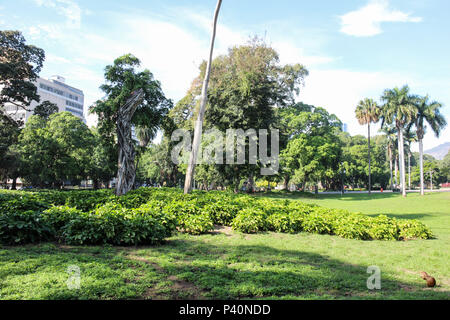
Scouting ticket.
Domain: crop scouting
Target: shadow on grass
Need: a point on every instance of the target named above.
(220, 271)
(258, 271)
(406, 215)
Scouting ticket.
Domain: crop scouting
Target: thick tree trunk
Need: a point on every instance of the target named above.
(422, 192)
(14, 183)
(402, 162)
(370, 182)
(199, 123)
(126, 174)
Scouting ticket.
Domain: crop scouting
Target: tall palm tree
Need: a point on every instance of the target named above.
(199, 123)
(367, 112)
(399, 109)
(426, 112)
(391, 134)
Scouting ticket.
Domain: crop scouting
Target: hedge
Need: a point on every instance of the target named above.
(146, 216)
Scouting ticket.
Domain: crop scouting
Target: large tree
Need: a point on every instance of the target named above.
(368, 112)
(426, 112)
(55, 150)
(399, 109)
(305, 122)
(45, 109)
(133, 98)
(246, 86)
(20, 65)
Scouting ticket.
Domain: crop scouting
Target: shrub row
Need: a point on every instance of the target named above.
(111, 223)
(149, 215)
(333, 222)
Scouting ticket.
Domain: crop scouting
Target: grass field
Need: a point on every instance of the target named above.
(230, 265)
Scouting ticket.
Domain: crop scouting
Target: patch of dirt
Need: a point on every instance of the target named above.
(228, 231)
(189, 290)
(406, 288)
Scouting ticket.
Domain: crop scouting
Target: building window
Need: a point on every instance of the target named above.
(58, 92)
(74, 105)
(75, 112)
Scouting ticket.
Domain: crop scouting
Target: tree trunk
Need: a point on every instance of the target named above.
(126, 174)
(431, 181)
(251, 183)
(14, 183)
(409, 170)
(370, 182)
(396, 170)
(199, 123)
(422, 192)
(286, 182)
(95, 184)
(390, 165)
(402, 161)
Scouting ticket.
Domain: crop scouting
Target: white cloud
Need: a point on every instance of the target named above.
(339, 91)
(70, 10)
(366, 21)
(173, 52)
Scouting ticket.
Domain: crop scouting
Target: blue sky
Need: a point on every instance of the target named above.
(353, 48)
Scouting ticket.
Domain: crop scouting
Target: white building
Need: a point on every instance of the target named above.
(55, 90)
(345, 127)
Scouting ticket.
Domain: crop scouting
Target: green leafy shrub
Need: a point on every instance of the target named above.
(413, 229)
(383, 228)
(148, 215)
(297, 219)
(250, 220)
(18, 227)
(280, 222)
(118, 225)
(57, 217)
(318, 221)
(352, 226)
(221, 212)
(21, 203)
(196, 224)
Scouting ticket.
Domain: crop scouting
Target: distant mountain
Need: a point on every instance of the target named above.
(440, 151)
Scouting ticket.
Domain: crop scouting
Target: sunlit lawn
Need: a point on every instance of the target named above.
(229, 265)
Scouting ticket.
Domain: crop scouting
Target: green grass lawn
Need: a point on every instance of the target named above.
(230, 265)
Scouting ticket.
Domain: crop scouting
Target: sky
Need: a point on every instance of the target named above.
(353, 49)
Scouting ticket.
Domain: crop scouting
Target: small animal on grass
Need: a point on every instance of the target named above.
(431, 282)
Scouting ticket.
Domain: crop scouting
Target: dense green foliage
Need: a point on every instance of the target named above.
(150, 215)
(20, 65)
(55, 150)
(227, 264)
